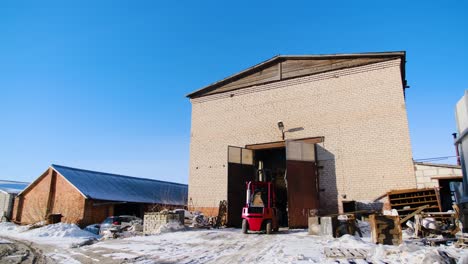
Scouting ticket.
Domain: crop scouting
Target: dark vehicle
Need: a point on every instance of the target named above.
(117, 223)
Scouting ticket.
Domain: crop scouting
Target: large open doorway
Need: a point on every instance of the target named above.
(271, 166)
(134, 209)
(290, 165)
(448, 188)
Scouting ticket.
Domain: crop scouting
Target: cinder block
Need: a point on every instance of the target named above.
(314, 226)
(327, 226)
(154, 220)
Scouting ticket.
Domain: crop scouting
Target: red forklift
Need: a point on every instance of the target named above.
(260, 213)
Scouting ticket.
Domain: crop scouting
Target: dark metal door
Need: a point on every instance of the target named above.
(302, 182)
(240, 170)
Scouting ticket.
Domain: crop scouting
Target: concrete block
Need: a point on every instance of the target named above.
(327, 226)
(154, 220)
(314, 225)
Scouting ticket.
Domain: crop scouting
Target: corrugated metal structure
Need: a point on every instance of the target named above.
(113, 187)
(461, 112)
(8, 192)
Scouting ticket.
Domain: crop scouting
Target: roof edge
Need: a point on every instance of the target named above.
(118, 175)
(442, 165)
(69, 182)
(299, 57)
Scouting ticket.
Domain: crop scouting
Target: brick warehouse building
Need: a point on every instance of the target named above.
(86, 197)
(344, 134)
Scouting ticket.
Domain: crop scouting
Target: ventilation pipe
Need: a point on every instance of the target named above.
(456, 149)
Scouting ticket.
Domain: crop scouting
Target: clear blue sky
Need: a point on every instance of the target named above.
(101, 85)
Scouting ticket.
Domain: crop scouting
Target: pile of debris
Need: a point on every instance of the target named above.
(201, 221)
(415, 212)
(125, 229)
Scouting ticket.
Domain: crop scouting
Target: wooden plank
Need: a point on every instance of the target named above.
(419, 209)
(417, 226)
(437, 193)
(282, 144)
(411, 209)
(287, 69)
(412, 197)
(385, 229)
(262, 76)
(413, 203)
(405, 191)
(297, 68)
(348, 253)
(294, 65)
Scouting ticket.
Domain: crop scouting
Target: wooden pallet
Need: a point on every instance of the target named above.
(385, 229)
(348, 253)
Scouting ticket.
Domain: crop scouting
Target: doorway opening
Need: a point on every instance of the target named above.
(133, 209)
(290, 165)
(448, 190)
(271, 166)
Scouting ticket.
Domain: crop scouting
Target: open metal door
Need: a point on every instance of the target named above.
(302, 182)
(241, 169)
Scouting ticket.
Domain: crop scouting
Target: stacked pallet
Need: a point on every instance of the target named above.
(408, 201)
(385, 229)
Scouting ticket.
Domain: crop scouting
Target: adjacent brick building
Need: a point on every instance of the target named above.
(446, 178)
(8, 192)
(86, 197)
(351, 107)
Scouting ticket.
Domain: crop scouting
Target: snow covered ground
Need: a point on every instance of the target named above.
(60, 235)
(231, 246)
(223, 246)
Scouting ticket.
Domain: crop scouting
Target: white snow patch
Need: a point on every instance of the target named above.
(170, 227)
(4, 241)
(61, 234)
(293, 246)
(62, 258)
(121, 255)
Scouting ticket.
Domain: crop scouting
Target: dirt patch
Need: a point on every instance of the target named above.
(18, 252)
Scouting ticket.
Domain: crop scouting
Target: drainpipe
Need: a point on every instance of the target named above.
(456, 149)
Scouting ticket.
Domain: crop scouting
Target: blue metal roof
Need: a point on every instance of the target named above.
(12, 186)
(113, 187)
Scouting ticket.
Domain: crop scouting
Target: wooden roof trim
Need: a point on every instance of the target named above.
(282, 144)
(450, 177)
(281, 58)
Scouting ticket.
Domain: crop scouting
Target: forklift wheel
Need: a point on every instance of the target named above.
(269, 228)
(245, 226)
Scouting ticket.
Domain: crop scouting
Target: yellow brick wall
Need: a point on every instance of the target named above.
(426, 174)
(360, 111)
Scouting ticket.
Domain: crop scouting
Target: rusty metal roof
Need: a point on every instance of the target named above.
(114, 187)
